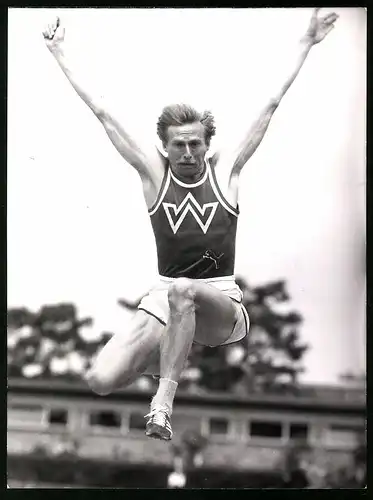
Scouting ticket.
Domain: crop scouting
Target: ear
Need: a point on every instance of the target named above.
(161, 148)
(208, 151)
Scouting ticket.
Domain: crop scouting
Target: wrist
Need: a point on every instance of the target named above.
(306, 42)
(56, 50)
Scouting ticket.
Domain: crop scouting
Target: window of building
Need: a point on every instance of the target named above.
(136, 422)
(24, 414)
(57, 416)
(107, 419)
(265, 429)
(218, 426)
(346, 428)
(341, 436)
(298, 431)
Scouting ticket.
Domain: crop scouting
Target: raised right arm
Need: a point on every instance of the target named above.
(148, 164)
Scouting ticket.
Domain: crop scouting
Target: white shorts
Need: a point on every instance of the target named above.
(156, 304)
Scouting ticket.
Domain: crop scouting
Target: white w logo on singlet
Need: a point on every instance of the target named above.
(190, 204)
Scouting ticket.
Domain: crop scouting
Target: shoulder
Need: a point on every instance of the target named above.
(223, 160)
(154, 177)
(156, 167)
(221, 167)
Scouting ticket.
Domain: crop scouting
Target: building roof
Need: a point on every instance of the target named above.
(310, 398)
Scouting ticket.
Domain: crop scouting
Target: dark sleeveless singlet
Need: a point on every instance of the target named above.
(194, 227)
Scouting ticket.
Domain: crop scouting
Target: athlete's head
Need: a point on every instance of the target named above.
(186, 136)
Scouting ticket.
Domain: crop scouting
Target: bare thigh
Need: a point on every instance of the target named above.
(128, 354)
(216, 315)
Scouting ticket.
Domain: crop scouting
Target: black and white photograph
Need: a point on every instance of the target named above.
(186, 248)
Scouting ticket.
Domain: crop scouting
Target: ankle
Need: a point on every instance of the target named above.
(165, 394)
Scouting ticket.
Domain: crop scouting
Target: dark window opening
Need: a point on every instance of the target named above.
(218, 426)
(136, 422)
(298, 431)
(265, 429)
(105, 419)
(57, 417)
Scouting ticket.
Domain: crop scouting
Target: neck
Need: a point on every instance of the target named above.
(190, 179)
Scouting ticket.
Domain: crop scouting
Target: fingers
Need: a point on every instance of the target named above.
(330, 18)
(51, 29)
(315, 12)
(49, 32)
(53, 25)
(328, 29)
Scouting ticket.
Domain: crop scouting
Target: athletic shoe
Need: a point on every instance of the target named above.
(158, 425)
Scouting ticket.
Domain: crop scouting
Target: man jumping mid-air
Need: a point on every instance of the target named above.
(192, 204)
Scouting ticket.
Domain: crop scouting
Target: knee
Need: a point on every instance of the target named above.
(98, 383)
(182, 294)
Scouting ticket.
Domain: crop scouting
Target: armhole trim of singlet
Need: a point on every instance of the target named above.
(161, 193)
(219, 194)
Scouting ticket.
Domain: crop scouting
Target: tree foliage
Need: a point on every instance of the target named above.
(55, 342)
(49, 342)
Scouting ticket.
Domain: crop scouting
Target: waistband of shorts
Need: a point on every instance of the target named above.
(223, 283)
(202, 280)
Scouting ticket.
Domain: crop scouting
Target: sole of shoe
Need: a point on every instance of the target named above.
(157, 432)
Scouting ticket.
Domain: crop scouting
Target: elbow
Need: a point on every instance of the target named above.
(273, 105)
(99, 108)
(100, 113)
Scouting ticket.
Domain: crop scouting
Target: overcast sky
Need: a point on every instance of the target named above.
(78, 228)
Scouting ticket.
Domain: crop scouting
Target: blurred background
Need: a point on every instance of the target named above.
(286, 406)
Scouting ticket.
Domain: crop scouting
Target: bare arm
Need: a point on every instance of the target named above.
(144, 163)
(318, 29)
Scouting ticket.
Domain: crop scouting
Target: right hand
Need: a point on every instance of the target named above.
(54, 34)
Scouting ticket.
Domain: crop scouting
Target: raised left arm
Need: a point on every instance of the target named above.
(318, 29)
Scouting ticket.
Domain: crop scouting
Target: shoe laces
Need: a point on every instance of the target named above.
(159, 415)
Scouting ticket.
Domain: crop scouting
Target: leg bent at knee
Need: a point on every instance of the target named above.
(97, 383)
(126, 356)
(104, 385)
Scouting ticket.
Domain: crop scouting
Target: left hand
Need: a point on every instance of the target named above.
(319, 27)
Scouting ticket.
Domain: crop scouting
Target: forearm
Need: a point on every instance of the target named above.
(85, 87)
(318, 29)
(77, 80)
(296, 64)
(258, 129)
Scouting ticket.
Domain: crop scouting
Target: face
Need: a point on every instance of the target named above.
(186, 148)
